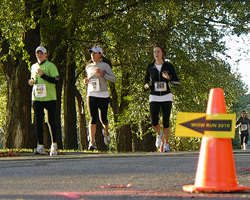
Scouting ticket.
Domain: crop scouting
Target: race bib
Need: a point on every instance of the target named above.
(243, 127)
(40, 90)
(93, 85)
(160, 86)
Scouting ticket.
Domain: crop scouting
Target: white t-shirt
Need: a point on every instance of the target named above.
(158, 67)
(156, 98)
(101, 94)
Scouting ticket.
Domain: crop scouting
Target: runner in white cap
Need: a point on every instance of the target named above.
(98, 73)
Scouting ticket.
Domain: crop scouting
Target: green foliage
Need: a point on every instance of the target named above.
(190, 31)
(3, 100)
(11, 24)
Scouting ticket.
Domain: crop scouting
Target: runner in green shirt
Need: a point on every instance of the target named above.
(44, 76)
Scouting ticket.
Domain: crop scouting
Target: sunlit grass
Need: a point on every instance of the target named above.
(20, 152)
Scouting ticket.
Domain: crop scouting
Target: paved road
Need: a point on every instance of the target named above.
(92, 176)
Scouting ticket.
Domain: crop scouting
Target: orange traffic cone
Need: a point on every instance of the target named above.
(216, 167)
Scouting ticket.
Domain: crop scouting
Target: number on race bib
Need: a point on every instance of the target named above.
(40, 90)
(243, 127)
(160, 86)
(94, 86)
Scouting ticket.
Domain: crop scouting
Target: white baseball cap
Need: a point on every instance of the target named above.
(96, 49)
(41, 48)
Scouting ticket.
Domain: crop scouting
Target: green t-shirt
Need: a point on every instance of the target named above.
(50, 70)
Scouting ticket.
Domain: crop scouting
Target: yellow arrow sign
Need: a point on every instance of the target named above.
(202, 124)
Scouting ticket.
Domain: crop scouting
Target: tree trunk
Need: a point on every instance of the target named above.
(115, 109)
(99, 137)
(147, 142)
(124, 134)
(137, 143)
(148, 139)
(18, 132)
(60, 62)
(83, 140)
(70, 135)
(125, 138)
(18, 117)
(58, 112)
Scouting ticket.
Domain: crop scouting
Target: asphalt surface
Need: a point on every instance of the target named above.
(107, 176)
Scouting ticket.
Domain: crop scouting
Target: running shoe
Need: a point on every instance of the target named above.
(53, 150)
(106, 138)
(92, 146)
(40, 150)
(166, 147)
(158, 140)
